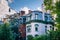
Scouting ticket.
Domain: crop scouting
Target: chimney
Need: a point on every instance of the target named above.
(22, 13)
(29, 11)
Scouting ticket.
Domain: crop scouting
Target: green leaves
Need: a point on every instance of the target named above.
(5, 32)
(48, 4)
(30, 37)
(53, 35)
(58, 6)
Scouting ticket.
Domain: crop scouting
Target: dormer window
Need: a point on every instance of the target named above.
(46, 18)
(36, 16)
(28, 18)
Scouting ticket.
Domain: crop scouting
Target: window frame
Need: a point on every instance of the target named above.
(29, 27)
(36, 27)
(45, 29)
(36, 16)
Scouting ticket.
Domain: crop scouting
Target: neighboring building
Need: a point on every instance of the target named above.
(22, 25)
(5, 10)
(18, 24)
(38, 23)
(1, 22)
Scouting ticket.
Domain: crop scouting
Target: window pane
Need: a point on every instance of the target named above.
(36, 28)
(36, 16)
(29, 28)
(45, 29)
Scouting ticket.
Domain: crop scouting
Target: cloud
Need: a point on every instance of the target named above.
(25, 9)
(4, 9)
(10, 1)
(39, 9)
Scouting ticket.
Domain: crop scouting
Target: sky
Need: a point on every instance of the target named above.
(20, 4)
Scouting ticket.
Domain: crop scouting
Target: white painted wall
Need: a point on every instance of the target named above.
(41, 28)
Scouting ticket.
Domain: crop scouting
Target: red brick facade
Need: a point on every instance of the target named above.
(22, 30)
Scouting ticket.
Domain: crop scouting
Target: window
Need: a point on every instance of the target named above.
(29, 28)
(28, 18)
(46, 29)
(36, 27)
(24, 20)
(46, 18)
(36, 16)
(40, 16)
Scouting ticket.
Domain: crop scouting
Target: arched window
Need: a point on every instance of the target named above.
(36, 27)
(45, 29)
(36, 16)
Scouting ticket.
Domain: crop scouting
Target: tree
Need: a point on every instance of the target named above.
(41, 37)
(30, 37)
(14, 24)
(48, 4)
(56, 9)
(58, 14)
(5, 32)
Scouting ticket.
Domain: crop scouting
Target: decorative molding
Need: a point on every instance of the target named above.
(40, 21)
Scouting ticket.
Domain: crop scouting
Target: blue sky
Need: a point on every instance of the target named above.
(32, 4)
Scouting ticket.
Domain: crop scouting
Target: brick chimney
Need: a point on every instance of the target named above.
(29, 11)
(22, 13)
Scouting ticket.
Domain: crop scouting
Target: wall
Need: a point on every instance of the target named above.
(41, 28)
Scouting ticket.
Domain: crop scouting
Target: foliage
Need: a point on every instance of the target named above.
(54, 10)
(53, 35)
(58, 6)
(48, 4)
(58, 14)
(5, 32)
(41, 37)
(14, 23)
(30, 37)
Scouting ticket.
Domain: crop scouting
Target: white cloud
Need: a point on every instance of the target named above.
(10, 1)
(4, 9)
(25, 9)
(39, 9)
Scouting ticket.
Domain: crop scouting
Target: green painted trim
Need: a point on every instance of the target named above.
(40, 21)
